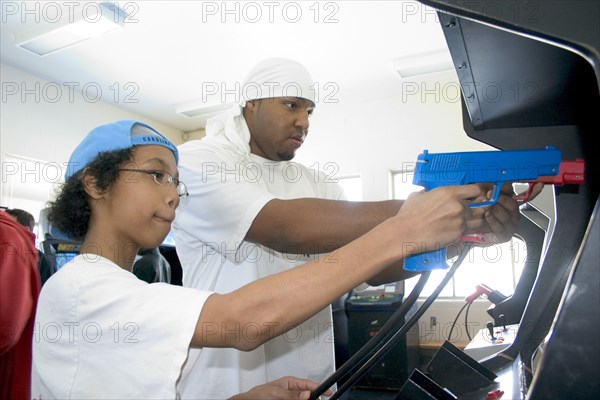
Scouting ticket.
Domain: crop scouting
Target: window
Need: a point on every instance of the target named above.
(497, 266)
(28, 184)
(352, 185)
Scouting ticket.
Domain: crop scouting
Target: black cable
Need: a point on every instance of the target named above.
(397, 336)
(466, 324)
(456, 319)
(357, 358)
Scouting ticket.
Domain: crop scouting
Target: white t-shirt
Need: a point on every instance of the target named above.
(227, 191)
(102, 333)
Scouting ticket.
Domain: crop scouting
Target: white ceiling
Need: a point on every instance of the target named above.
(168, 51)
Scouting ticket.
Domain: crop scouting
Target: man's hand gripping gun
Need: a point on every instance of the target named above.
(497, 167)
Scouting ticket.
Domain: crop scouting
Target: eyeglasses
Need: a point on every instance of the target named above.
(163, 178)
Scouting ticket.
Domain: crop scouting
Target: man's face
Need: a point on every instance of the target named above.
(278, 126)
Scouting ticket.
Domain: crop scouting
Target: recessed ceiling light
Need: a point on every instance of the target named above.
(44, 40)
(199, 109)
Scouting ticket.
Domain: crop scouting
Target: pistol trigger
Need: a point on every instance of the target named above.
(496, 193)
(492, 201)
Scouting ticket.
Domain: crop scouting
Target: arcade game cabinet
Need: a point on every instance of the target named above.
(542, 60)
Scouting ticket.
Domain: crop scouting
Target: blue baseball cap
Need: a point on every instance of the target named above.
(117, 135)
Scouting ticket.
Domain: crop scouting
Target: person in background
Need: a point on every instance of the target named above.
(28, 221)
(125, 338)
(19, 291)
(22, 217)
(253, 212)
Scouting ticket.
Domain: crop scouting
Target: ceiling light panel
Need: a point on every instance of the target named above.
(96, 20)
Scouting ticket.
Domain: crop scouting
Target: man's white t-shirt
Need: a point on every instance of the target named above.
(227, 191)
(101, 333)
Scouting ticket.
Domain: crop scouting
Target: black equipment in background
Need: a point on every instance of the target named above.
(169, 252)
(60, 251)
(367, 313)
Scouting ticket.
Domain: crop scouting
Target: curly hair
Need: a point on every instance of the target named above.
(71, 211)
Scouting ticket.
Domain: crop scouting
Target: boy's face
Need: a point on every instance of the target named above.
(141, 210)
(278, 126)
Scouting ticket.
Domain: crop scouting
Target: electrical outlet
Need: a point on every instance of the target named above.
(432, 322)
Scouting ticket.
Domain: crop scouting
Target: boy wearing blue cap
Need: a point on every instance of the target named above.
(103, 333)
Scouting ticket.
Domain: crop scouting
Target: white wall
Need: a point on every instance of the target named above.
(44, 121)
(49, 127)
(370, 137)
(194, 135)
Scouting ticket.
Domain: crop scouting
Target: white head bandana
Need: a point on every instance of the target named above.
(229, 128)
(273, 77)
(277, 77)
